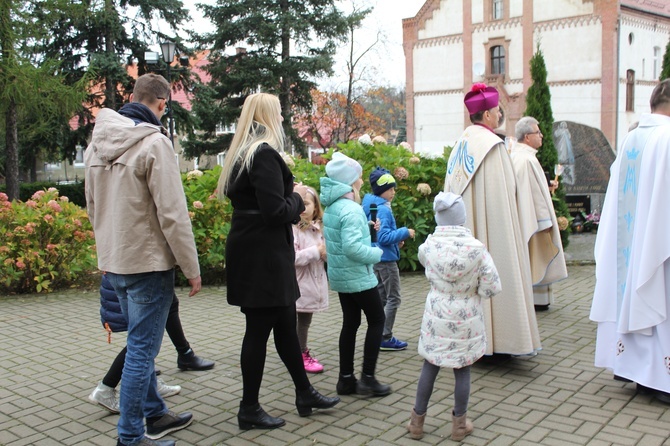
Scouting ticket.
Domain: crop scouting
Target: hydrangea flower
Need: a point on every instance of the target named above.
(53, 204)
(401, 173)
(379, 140)
(423, 188)
(405, 145)
(193, 174)
(365, 140)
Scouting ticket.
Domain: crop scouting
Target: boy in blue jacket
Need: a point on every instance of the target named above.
(390, 239)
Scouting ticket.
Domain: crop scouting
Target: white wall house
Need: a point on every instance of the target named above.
(603, 59)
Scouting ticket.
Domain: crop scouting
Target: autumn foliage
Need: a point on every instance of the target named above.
(324, 124)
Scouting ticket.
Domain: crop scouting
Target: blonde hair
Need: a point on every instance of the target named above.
(318, 210)
(259, 123)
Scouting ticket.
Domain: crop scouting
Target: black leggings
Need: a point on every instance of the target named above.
(352, 303)
(174, 330)
(260, 321)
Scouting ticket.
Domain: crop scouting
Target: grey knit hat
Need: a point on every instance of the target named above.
(449, 209)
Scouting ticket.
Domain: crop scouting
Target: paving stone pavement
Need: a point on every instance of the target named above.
(54, 351)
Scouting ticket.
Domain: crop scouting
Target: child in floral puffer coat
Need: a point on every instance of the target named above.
(461, 273)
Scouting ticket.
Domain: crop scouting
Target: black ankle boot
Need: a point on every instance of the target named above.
(254, 417)
(306, 400)
(368, 385)
(346, 385)
(190, 361)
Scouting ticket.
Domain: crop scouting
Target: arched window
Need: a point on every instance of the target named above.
(497, 59)
(630, 90)
(497, 12)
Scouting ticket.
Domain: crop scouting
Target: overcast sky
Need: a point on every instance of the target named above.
(385, 63)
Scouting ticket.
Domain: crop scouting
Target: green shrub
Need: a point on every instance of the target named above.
(210, 218)
(47, 243)
(418, 180)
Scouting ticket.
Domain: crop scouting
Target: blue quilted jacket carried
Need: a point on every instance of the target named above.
(110, 308)
(347, 234)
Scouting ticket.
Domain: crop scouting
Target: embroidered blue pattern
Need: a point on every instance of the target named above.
(628, 218)
(630, 182)
(461, 158)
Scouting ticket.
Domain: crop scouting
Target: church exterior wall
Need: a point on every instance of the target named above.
(586, 49)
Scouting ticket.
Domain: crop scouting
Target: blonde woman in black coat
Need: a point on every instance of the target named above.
(260, 256)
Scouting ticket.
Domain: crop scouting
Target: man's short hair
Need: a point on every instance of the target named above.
(477, 117)
(150, 87)
(524, 126)
(661, 95)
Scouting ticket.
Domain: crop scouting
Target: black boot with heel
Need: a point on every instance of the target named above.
(254, 417)
(368, 385)
(306, 400)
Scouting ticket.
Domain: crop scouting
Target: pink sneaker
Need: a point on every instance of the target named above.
(312, 365)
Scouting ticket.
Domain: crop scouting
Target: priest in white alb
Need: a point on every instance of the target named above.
(631, 301)
(480, 170)
(536, 212)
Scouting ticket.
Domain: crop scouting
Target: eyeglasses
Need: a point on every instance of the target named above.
(535, 133)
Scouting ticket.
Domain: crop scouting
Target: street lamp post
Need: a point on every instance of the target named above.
(168, 49)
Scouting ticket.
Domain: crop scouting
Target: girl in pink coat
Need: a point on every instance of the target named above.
(310, 255)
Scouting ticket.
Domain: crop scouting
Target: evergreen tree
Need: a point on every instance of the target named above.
(34, 92)
(289, 44)
(665, 69)
(103, 37)
(538, 105)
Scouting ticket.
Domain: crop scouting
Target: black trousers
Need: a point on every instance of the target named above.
(352, 304)
(259, 323)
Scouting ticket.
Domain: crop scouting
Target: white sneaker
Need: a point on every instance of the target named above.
(164, 390)
(106, 397)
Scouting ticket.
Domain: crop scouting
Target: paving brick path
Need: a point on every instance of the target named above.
(53, 352)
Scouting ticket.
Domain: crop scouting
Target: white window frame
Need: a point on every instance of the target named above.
(657, 62)
(498, 10)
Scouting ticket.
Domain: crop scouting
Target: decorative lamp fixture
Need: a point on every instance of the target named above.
(151, 57)
(168, 48)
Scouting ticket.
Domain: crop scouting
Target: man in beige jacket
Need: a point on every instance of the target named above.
(136, 203)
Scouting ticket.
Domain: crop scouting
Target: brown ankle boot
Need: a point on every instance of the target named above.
(461, 427)
(415, 425)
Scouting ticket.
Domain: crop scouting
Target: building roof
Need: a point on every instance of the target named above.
(179, 94)
(660, 7)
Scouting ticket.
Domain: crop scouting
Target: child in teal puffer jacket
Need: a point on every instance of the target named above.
(350, 272)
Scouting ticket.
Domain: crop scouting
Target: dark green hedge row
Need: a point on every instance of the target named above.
(73, 191)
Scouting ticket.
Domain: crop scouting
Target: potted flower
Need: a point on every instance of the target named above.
(591, 221)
